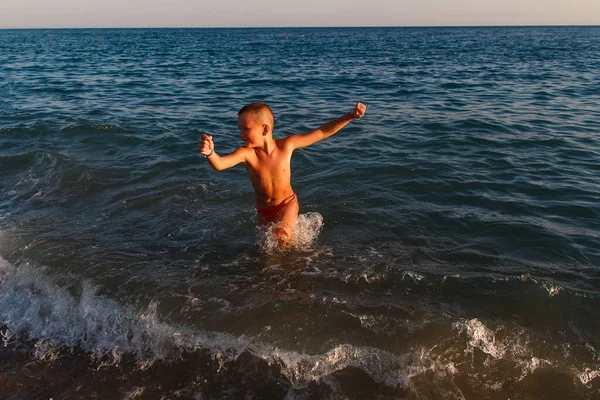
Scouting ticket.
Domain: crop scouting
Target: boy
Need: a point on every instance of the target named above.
(267, 161)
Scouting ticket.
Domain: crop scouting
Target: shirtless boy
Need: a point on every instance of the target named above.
(267, 161)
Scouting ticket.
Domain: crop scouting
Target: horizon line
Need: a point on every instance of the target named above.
(312, 27)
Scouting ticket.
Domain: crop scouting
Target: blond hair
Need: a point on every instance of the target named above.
(259, 109)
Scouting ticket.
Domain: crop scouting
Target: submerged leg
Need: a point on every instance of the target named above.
(284, 223)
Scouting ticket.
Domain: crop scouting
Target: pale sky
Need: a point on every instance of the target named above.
(293, 13)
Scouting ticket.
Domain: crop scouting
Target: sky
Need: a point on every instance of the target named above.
(293, 13)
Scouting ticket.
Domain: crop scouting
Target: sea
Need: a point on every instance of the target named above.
(448, 243)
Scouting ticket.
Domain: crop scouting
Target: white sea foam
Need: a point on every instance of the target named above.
(552, 289)
(33, 307)
(415, 276)
(308, 228)
(483, 338)
(384, 367)
(440, 370)
(31, 304)
(588, 375)
(506, 343)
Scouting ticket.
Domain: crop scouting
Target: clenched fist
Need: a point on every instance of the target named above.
(206, 145)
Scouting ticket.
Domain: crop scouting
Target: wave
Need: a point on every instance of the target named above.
(34, 307)
(485, 355)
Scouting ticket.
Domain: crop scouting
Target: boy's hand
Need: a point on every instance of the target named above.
(359, 110)
(206, 145)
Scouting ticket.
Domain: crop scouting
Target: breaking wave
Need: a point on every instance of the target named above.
(34, 308)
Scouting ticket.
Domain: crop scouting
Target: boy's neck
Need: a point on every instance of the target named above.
(269, 145)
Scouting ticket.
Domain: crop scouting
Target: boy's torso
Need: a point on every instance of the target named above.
(270, 174)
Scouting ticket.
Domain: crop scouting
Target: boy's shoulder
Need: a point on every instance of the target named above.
(285, 141)
(243, 151)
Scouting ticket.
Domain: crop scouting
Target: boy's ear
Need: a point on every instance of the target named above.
(266, 129)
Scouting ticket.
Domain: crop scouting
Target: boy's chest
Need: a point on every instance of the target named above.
(273, 164)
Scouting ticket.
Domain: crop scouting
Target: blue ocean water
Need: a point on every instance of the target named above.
(452, 234)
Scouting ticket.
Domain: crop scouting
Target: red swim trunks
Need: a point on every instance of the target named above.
(271, 213)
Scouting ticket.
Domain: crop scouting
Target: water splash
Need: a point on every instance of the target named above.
(308, 228)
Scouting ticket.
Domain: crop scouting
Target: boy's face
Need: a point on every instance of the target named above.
(251, 129)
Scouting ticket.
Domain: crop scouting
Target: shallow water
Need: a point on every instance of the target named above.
(450, 238)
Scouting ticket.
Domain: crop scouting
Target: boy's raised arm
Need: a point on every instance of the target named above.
(206, 147)
(328, 129)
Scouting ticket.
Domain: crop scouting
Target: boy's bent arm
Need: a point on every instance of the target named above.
(328, 129)
(223, 162)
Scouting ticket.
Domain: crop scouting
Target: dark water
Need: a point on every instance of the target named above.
(458, 254)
